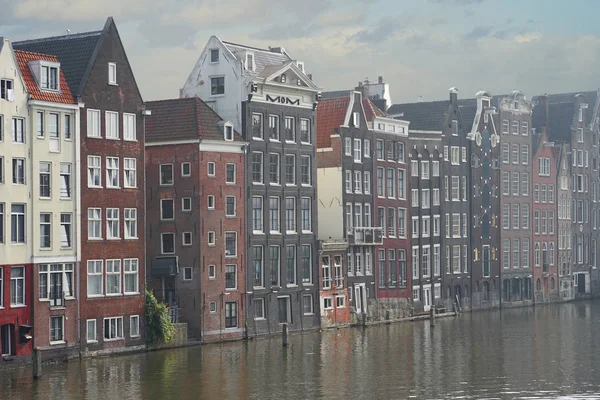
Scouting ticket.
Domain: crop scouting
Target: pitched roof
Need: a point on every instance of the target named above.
(76, 54)
(183, 119)
(423, 116)
(262, 57)
(560, 119)
(371, 110)
(63, 96)
(331, 114)
(335, 93)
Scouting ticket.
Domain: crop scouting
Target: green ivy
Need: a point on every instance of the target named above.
(159, 327)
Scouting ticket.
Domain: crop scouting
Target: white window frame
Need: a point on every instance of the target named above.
(129, 127)
(111, 123)
(93, 123)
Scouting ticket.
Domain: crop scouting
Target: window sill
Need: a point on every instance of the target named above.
(112, 138)
(94, 187)
(217, 95)
(113, 340)
(135, 336)
(58, 342)
(132, 238)
(258, 183)
(113, 83)
(258, 233)
(129, 140)
(95, 239)
(18, 305)
(94, 137)
(65, 199)
(137, 293)
(291, 232)
(113, 239)
(274, 233)
(113, 187)
(130, 187)
(230, 216)
(230, 290)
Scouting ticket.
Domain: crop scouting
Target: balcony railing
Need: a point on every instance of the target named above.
(365, 236)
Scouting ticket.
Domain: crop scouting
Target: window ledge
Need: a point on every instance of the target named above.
(95, 239)
(132, 238)
(113, 340)
(57, 342)
(18, 305)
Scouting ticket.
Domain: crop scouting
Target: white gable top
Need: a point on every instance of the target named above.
(262, 57)
(270, 73)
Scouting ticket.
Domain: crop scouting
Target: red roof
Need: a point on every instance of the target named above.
(330, 115)
(371, 110)
(62, 96)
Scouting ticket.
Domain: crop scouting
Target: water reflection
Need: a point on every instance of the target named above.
(546, 352)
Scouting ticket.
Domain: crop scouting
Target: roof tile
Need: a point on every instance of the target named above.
(330, 116)
(62, 96)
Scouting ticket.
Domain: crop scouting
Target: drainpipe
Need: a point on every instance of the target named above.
(77, 168)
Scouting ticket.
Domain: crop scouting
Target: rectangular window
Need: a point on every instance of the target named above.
(56, 329)
(17, 286)
(45, 179)
(94, 171)
(506, 216)
(357, 150)
(112, 223)
(6, 89)
(112, 124)
(17, 223)
(230, 206)
(274, 214)
(94, 223)
(391, 179)
(259, 309)
(274, 168)
(130, 169)
(505, 153)
(166, 174)
(274, 127)
(257, 126)
(45, 230)
(18, 171)
(525, 216)
(230, 276)
(524, 154)
(379, 149)
(290, 129)
(257, 167)
(67, 127)
(113, 277)
(130, 217)
(305, 171)
(40, 125)
(290, 214)
(168, 242)
(95, 278)
(525, 184)
(257, 267)
(515, 153)
(367, 182)
(91, 331)
(112, 172)
(2, 215)
(290, 169)
(516, 253)
(305, 131)
(230, 244)
(424, 169)
(380, 179)
(113, 328)
(402, 222)
(516, 222)
(18, 128)
(306, 263)
(305, 214)
(65, 180)
(455, 188)
(290, 264)
(257, 213)
(358, 182)
(131, 275)
(167, 209)
(217, 85)
(454, 154)
(367, 148)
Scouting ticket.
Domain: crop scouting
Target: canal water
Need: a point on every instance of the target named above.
(547, 352)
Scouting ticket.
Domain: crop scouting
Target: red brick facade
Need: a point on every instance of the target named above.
(14, 316)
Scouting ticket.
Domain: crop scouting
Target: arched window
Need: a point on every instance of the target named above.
(551, 253)
(536, 254)
(538, 284)
(545, 256)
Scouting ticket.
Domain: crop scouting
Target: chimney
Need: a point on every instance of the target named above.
(380, 80)
(453, 95)
(420, 99)
(360, 83)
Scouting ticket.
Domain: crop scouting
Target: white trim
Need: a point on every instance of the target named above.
(429, 132)
(220, 146)
(171, 142)
(324, 149)
(49, 104)
(54, 259)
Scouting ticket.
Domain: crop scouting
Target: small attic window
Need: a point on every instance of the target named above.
(49, 78)
(283, 78)
(229, 133)
(112, 73)
(214, 55)
(250, 62)
(516, 105)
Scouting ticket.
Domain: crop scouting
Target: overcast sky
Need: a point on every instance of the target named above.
(420, 47)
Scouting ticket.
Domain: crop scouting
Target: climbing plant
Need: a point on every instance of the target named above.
(159, 327)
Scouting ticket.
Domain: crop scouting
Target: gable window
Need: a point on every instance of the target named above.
(229, 133)
(93, 123)
(129, 127)
(6, 89)
(357, 150)
(355, 119)
(112, 73)
(214, 55)
(217, 85)
(49, 77)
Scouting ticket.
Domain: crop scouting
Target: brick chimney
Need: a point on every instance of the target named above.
(453, 95)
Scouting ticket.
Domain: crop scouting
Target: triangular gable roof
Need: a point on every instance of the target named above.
(262, 57)
(76, 52)
(331, 114)
(64, 96)
(273, 71)
(183, 119)
(10, 48)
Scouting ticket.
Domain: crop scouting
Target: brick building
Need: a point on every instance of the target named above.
(514, 116)
(195, 217)
(112, 198)
(346, 190)
(333, 290)
(545, 221)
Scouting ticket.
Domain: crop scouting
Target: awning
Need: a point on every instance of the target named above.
(164, 266)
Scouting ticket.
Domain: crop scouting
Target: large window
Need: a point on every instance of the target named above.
(305, 131)
(112, 172)
(274, 168)
(129, 127)
(230, 244)
(274, 264)
(112, 223)
(93, 123)
(113, 277)
(65, 180)
(217, 85)
(18, 171)
(230, 276)
(274, 214)
(290, 129)
(129, 167)
(257, 167)
(113, 328)
(18, 130)
(112, 124)
(130, 217)
(290, 169)
(306, 263)
(45, 230)
(305, 170)
(290, 214)
(131, 278)
(231, 314)
(168, 243)
(17, 286)
(166, 174)
(94, 223)
(257, 267)
(95, 278)
(257, 126)
(94, 171)
(45, 179)
(17, 223)
(274, 127)
(257, 213)
(290, 264)
(55, 281)
(56, 328)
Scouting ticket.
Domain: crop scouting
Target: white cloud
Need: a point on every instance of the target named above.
(528, 37)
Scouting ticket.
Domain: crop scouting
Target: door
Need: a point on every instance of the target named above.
(580, 283)
(426, 299)
(6, 339)
(283, 308)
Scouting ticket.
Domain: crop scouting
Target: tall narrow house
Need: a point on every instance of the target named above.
(346, 191)
(269, 98)
(111, 280)
(481, 121)
(16, 218)
(195, 217)
(55, 232)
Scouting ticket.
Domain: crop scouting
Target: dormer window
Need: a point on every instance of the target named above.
(250, 62)
(112, 73)
(49, 78)
(229, 133)
(283, 78)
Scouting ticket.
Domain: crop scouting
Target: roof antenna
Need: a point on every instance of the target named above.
(68, 31)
